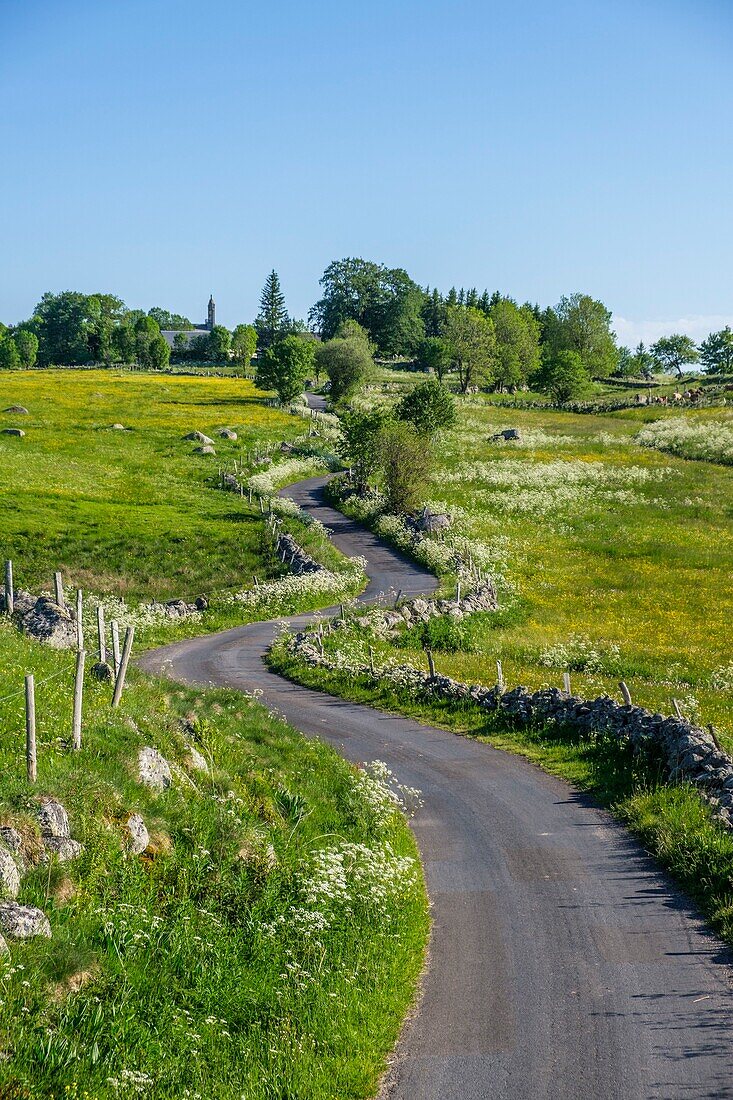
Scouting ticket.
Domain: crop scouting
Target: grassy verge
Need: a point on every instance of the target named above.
(266, 944)
(671, 821)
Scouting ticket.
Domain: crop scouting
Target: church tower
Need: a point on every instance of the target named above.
(211, 314)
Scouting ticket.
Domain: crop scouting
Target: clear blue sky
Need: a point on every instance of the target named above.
(161, 150)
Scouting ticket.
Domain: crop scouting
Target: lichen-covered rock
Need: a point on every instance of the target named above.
(53, 819)
(9, 875)
(207, 449)
(13, 431)
(62, 848)
(4, 949)
(196, 760)
(50, 623)
(23, 922)
(153, 769)
(102, 671)
(118, 428)
(138, 837)
(227, 433)
(199, 437)
(16, 410)
(11, 839)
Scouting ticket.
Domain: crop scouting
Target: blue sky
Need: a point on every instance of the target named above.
(162, 150)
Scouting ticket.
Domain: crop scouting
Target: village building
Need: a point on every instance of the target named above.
(191, 334)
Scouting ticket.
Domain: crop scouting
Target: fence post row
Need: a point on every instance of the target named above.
(120, 681)
(101, 635)
(78, 699)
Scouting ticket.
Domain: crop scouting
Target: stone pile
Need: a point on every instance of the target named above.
(293, 554)
(179, 609)
(42, 618)
(688, 752)
(481, 598)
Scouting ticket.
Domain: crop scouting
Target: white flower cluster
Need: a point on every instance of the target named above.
(278, 596)
(710, 440)
(580, 654)
(284, 506)
(117, 610)
(721, 679)
(377, 786)
(266, 484)
(134, 1082)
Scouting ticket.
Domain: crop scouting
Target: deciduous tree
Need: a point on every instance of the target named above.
(517, 343)
(716, 352)
(285, 366)
(429, 408)
(244, 344)
(674, 352)
(471, 338)
(563, 375)
(348, 364)
(582, 324)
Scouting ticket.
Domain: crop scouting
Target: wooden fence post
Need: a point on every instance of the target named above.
(371, 659)
(79, 622)
(458, 594)
(431, 663)
(78, 699)
(625, 693)
(120, 681)
(30, 728)
(9, 594)
(58, 585)
(499, 677)
(398, 597)
(115, 647)
(677, 708)
(566, 682)
(101, 634)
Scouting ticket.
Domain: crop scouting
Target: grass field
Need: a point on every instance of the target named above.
(614, 560)
(133, 513)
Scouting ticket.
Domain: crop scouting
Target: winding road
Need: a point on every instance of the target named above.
(563, 964)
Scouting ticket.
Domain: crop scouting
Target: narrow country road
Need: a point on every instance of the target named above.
(563, 963)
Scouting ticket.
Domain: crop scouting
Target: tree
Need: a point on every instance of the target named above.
(429, 408)
(123, 342)
(62, 328)
(583, 324)
(406, 464)
(563, 375)
(146, 333)
(471, 338)
(26, 343)
(673, 352)
(385, 301)
(285, 366)
(159, 353)
(433, 313)
(642, 361)
(244, 344)
(272, 323)
(169, 321)
(434, 355)
(361, 443)
(220, 341)
(9, 358)
(348, 364)
(517, 343)
(180, 346)
(716, 352)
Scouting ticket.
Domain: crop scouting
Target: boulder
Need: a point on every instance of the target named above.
(119, 428)
(198, 437)
(102, 671)
(227, 433)
(16, 410)
(201, 603)
(9, 875)
(23, 922)
(138, 837)
(196, 760)
(432, 522)
(62, 847)
(153, 769)
(13, 431)
(207, 449)
(50, 623)
(509, 434)
(11, 839)
(53, 819)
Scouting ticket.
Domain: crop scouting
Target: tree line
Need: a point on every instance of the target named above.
(366, 309)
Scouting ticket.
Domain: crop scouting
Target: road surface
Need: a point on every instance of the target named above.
(563, 964)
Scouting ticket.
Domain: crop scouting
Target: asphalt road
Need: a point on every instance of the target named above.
(563, 963)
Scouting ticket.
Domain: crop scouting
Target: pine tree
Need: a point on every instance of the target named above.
(273, 322)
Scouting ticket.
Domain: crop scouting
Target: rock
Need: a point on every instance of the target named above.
(17, 410)
(102, 671)
(427, 521)
(13, 431)
(53, 819)
(23, 922)
(198, 437)
(4, 949)
(510, 433)
(119, 428)
(227, 433)
(11, 839)
(9, 875)
(138, 834)
(207, 449)
(153, 769)
(196, 760)
(50, 623)
(62, 847)
(201, 603)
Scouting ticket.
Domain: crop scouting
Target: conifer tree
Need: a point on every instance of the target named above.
(273, 322)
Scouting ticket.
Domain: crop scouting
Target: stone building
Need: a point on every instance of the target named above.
(191, 334)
